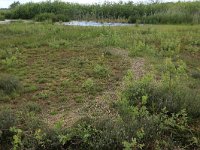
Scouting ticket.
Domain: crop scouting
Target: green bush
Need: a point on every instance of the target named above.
(89, 86)
(9, 84)
(45, 17)
(170, 92)
(2, 17)
(133, 19)
(196, 74)
(101, 71)
(61, 17)
(8, 119)
(51, 17)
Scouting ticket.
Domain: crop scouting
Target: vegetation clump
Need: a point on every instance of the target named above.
(9, 84)
(51, 17)
(2, 17)
(101, 71)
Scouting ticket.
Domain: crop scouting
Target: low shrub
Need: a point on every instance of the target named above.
(89, 86)
(101, 71)
(51, 17)
(8, 120)
(9, 84)
(196, 74)
(133, 19)
(2, 17)
(9, 57)
(45, 17)
(61, 17)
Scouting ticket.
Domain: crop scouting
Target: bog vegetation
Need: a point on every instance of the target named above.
(130, 87)
(150, 13)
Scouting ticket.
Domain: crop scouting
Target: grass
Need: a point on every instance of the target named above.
(60, 65)
(53, 71)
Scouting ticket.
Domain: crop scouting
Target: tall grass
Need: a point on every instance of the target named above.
(159, 13)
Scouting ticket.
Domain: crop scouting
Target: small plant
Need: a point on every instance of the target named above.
(9, 62)
(101, 71)
(17, 138)
(42, 95)
(79, 99)
(89, 86)
(9, 57)
(173, 73)
(66, 83)
(42, 80)
(30, 88)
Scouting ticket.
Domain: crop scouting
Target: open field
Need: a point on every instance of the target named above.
(99, 87)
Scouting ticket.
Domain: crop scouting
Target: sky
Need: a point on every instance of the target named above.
(6, 3)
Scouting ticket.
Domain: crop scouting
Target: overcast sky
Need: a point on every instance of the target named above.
(6, 3)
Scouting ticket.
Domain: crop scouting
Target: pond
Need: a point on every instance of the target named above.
(5, 22)
(93, 23)
(8, 21)
(76, 23)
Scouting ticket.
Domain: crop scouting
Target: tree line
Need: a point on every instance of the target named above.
(155, 13)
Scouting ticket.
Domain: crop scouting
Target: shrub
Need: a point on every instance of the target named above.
(51, 17)
(61, 17)
(45, 17)
(9, 57)
(8, 120)
(137, 108)
(9, 84)
(133, 19)
(9, 61)
(101, 71)
(30, 88)
(89, 86)
(170, 92)
(2, 17)
(196, 74)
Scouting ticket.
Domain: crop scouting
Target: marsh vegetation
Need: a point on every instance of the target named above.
(122, 87)
(150, 13)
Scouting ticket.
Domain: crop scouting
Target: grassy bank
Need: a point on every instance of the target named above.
(65, 87)
(151, 13)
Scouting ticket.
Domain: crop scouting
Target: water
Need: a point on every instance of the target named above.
(8, 21)
(76, 23)
(5, 22)
(93, 23)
